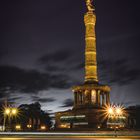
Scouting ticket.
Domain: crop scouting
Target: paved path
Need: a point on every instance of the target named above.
(67, 138)
(102, 135)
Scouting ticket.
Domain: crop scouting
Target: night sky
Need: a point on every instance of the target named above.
(42, 50)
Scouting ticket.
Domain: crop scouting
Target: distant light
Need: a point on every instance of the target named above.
(64, 126)
(99, 127)
(72, 117)
(18, 127)
(43, 127)
(29, 126)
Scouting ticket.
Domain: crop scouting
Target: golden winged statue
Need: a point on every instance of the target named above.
(89, 5)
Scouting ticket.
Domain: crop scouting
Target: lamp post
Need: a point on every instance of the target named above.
(114, 114)
(9, 112)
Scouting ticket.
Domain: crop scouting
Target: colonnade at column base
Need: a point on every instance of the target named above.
(91, 95)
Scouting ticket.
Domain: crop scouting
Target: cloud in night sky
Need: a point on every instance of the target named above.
(16, 79)
(61, 61)
(118, 72)
(58, 56)
(42, 100)
(67, 103)
(42, 50)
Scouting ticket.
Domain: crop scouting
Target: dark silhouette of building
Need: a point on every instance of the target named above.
(29, 117)
(133, 117)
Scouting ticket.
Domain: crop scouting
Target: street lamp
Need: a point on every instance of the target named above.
(14, 111)
(110, 111)
(115, 114)
(9, 112)
(114, 111)
(119, 111)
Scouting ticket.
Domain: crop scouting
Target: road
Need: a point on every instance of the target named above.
(70, 135)
(65, 138)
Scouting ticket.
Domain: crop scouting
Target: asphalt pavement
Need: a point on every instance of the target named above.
(103, 135)
(65, 138)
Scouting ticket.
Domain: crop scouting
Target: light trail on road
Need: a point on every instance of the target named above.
(68, 138)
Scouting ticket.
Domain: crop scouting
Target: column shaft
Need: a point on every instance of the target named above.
(103, 100)
(90, 51)
(99, 98)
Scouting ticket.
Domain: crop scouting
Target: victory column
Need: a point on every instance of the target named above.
(90, 97)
